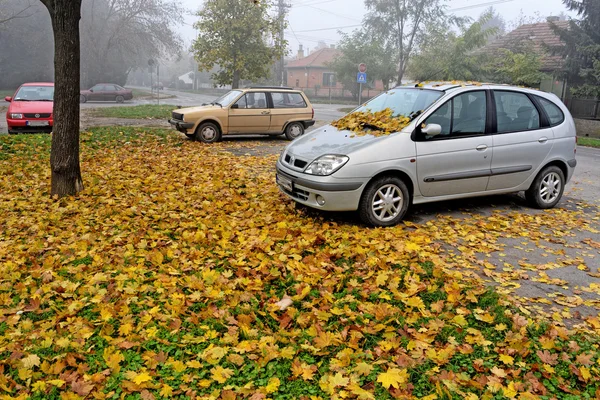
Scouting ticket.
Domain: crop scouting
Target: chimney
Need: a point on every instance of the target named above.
(300, 52)
(553, 18)
(332, 46)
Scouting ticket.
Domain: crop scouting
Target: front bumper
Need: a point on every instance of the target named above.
(181, 126)
(23, 125)
(333, 196)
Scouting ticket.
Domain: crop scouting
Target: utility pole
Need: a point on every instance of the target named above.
(282, 10)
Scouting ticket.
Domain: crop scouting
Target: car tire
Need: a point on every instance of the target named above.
(82, 99)
(547, 188)
(208, 132)
(294, 130)
(384, 202)
(119, 99)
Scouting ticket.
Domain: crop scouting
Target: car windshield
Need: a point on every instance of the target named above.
(35, 93)
(227, 98)
(408, 102)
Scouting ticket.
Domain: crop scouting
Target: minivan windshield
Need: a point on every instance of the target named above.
(227, 98)
(35, 93)
(408, 102)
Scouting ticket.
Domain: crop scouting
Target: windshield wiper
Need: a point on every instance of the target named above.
(45, 100)
(23, 100)
(217, 104)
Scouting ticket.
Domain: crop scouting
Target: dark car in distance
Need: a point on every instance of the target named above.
(106, 92)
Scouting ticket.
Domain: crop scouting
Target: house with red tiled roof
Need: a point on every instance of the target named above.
(537, 37)
(313, 70)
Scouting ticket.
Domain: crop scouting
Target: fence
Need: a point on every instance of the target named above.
(585, 108)
(333, 94)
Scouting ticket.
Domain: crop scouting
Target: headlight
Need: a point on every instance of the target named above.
(16, 116)
(326, 165)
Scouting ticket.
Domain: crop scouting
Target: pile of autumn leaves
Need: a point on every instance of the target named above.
(377, 123)
(203, 282)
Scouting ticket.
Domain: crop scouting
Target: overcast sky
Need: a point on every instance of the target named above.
(310, 20)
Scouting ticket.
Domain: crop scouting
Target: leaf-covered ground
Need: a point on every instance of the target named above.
(181, 272)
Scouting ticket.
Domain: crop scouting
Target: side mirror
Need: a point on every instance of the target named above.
(92, 90)
(235, 106)
(432, 129)
(8, 98)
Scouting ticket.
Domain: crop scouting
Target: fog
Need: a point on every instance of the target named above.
(118, 37)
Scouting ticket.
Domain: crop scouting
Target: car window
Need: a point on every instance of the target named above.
(403, 101)
(97, 88)
(35, 93)
(254, 100)
(110, 88)
(288, 100)
(555, 114)
(469, 113)
(464, 115)
(515, 112)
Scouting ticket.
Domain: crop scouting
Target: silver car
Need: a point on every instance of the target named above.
(463, 141)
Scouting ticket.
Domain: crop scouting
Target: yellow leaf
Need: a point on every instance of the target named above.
(56, 382)
(506, 359)
(363, 368)
(585, 373)
(273, 385)
(460, 320)
(30, 361)
(166, 391)
(393, 377)
(141, 378)
(338, 380)
(221, 374)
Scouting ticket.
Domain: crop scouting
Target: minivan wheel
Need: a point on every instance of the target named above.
(547, 188)
(120, 99)
(208, 133)
(294, 130)
(384, 202)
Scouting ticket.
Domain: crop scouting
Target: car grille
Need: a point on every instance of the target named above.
(295, 162)
(39, 115)
(177, 116)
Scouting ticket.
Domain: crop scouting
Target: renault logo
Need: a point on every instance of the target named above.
(37, 115)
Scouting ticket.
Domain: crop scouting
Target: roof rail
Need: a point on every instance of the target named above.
(270, 87)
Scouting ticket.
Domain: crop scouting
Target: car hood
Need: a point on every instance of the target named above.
(41, 107)
(330, 140)
(197, 109)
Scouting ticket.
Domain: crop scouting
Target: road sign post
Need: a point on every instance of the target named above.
(361, 78)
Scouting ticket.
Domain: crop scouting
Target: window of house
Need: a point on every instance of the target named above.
(329, 79)
(515, 112)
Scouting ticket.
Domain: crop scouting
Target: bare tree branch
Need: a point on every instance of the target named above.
(20, 14)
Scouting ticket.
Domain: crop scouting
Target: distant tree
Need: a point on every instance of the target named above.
(517, 67)
(449, 56)
(359, 47)
(8, 13)
(239, 36)
(582, 48)
(404, 25)
(493, 20)
(119, 35)
(64, 153)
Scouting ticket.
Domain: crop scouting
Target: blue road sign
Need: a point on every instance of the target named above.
(361, 77)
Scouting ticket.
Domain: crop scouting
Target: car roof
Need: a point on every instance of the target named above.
(454, 85)
(38, 84)
(269, 89)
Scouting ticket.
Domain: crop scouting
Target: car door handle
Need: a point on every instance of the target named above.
(543, 139)
(266, 112)
(481, 147)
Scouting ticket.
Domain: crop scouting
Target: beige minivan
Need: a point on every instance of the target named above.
(254, 110)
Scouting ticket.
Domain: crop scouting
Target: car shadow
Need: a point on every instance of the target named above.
(483, 206)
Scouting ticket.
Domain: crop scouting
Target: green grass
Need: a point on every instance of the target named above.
(144, 94)
(588, 142)
(6, 92)
(145, 111)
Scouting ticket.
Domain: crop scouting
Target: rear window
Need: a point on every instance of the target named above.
(555, 115)
(288, 100)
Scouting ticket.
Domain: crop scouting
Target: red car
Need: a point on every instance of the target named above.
(31, 108)
(106, 92)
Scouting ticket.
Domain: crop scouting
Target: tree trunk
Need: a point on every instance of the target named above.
(64, 155)
(236, 80)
